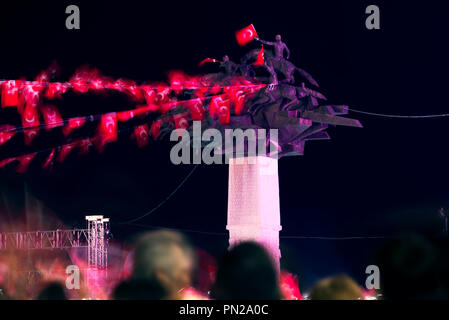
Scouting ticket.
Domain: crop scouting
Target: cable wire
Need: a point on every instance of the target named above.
(163, 201)
(401, 116)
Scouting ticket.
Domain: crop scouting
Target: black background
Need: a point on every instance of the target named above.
(385, 179)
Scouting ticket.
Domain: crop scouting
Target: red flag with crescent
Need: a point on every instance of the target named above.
(73, 123)
(142, 135)
(55, 90)
(219, 108)
(52, 117)
(30, 119)
(196, 108)
(10, 93)
(156, 128)
(245, 35)
(181, 120)
(108, 128)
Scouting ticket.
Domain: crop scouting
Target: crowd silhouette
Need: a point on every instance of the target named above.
(411, 267)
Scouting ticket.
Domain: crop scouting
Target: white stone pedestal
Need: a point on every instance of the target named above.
(253, 203)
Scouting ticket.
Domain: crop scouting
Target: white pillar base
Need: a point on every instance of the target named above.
(253, 203)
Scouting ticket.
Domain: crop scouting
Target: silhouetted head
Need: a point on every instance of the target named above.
(408, 269)
(164, 257)
(3, 294)
(339, 287)
(226, 58)
(52, 291)
(278, 37)
(246, 272)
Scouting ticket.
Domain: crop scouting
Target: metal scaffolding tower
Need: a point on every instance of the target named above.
(97, 249)
(94, 238)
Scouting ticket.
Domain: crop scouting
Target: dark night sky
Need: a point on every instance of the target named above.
(387, 178)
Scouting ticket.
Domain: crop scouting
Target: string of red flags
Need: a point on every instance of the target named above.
(195, 107)
(27, 96)
(206, 97)
(140, 133)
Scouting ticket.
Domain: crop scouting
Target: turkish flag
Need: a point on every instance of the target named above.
(55, 90)
(150, 94)
(10, 93)
(74, 123)
(29, 135)
(162, 97)
(196, 108)
(207, 60)
(84, 146)
(42, 77)
(97, 82)
(215, 90)
(30, 119)
(24, 162)
(177, 80)
(156, 128)
(65, 150)
(80, 80)
(260, 61)
(214, 105)
(135, 92)
(142, 135)
(52, 117)
(181, 120)
(30, 98)
(49, 159)
(5, 162)
(224, 112)
(219, 108)
(6, 132)
(237, 97)
(108, 128)
(245, 35)
(289, 287)
(130, 88)
(191, 83)
(126, 115)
